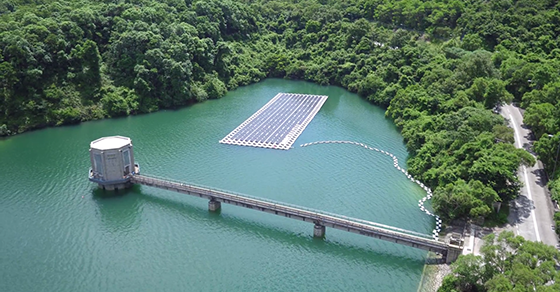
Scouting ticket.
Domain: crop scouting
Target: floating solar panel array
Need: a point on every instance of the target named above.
(278, 123)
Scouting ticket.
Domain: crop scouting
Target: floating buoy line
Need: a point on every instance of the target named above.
(421, 202)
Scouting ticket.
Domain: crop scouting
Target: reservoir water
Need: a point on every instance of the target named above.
(59, 232)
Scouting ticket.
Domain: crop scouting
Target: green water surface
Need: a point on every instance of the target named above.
(58, 232)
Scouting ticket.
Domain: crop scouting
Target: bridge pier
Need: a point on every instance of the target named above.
(319, 231)
(214, 206)
(319, 220)
(453, 252)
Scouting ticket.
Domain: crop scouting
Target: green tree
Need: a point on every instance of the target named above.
(468, 272)
(508, 263)
(472, 42)
(439, 66)
(276, 65)
(460, 199)
(120, 101)
(215, 88)
(474, 65)
(541, 118)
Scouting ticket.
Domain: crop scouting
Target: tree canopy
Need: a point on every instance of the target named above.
(507, 263)
(438, 66)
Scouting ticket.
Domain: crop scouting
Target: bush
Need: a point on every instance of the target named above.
(67, 115)
(215, 88)
(498, 219)
(557, 222)
(198, 92)
(554, 187)
(119, 101)
(4, 130)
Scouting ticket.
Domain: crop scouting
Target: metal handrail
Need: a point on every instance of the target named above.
(293, 209)
(264, 203)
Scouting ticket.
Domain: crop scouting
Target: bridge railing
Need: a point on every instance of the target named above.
(252, 200)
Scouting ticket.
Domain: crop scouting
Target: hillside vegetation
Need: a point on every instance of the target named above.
(439, 67)
(508, 263)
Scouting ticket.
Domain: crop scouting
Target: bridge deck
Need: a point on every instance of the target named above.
(368, 228)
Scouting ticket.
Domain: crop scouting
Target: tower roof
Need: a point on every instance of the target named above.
(112, 142)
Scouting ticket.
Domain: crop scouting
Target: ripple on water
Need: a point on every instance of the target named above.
(60, 234)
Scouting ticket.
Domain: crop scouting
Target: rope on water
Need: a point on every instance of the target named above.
(421, 202)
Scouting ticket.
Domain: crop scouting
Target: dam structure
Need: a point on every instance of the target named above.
(121, 164)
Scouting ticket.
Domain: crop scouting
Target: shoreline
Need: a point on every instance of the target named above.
(432, 276)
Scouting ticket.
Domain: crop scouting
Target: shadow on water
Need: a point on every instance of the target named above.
(116, 208)
(99, 193)
(306, 241)
(332, 103)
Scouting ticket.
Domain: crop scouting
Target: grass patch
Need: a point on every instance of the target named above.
(498, 219)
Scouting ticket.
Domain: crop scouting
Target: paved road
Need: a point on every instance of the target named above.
(532, 215)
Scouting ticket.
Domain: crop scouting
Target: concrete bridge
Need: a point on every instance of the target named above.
(320, 219)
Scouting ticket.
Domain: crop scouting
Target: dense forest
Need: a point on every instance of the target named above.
(439, 67)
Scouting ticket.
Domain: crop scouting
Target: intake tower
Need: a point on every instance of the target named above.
(112, 162)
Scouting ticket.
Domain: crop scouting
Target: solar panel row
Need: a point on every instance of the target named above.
(278, 123)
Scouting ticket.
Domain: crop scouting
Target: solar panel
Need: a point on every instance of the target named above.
(278, 123)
